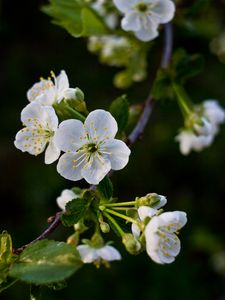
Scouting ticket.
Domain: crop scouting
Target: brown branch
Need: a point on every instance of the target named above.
(149, 103)
(54, 224)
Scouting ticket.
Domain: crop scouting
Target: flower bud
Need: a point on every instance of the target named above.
(153, 200)
(73, 239)
(75, 99)
(132, 245)
(105, 228)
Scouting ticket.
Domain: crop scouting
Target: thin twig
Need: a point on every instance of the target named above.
(44, 234)
(149, 103)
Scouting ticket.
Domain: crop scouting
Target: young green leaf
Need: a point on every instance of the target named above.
(75, 210)
(120, 111)
(46, 262)
(105, 188)
(74, 16)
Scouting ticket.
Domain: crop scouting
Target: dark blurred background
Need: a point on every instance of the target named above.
(30, 46)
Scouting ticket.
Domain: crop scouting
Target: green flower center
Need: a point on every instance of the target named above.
(142, 7)
(92, 148)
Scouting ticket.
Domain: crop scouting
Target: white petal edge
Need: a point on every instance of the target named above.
(87, 253)
(117, 152)
(100, 125)
(52, 153)
(108, 253)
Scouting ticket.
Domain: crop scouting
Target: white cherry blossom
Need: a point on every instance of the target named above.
(91, 149)
(143, 17)
(40, 124)
(65, 197)
(90, 254)
(200, 137)
(162, 243)
(51, 90)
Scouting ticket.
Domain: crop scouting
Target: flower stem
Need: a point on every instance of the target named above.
(120, 204)
(115, 213)
(113, 221)
(183, 100)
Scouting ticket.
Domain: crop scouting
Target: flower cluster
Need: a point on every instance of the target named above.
(143, 17)
(91, 148)
(201, 127)
(151, 229)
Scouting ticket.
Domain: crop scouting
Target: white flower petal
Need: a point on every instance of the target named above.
(214, 112)
(33, 113)
(189, 141)
(125, 5)
(108, 253)
(48, 98)
(65, 197)
(163, 11)
(135, 230)
(100, 125)
(70, 166)
(146, 211)
(146, 35)
(52, 152)
(70, 135)
(178, 217)
(52, 119)
(94, 171)
(131, 21)
(162, 244)
(41, 88)
(162, 202)
(61, 83)
(88, 254)
(28, 141)
(117, 152)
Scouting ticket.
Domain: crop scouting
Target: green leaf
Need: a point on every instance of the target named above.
(162, 87)
(5, 247)
(6, 255)
(76, 17)
(186, 66)
(46, 262)
(105, 188)
(120, 111)
(75, 210)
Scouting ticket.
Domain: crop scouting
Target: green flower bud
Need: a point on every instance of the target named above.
(105, 228)
(153, 200)
(73, 239)
(75, 99)
(132, 245)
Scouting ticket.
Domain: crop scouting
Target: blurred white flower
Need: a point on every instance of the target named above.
(48, 91)
(217, 46)
(111, 18)
(144, 16)
(90, 254)
(109, 47)
(202, 135)
(41, 124)
(91, 150)
(65, 197)
(162, 243)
